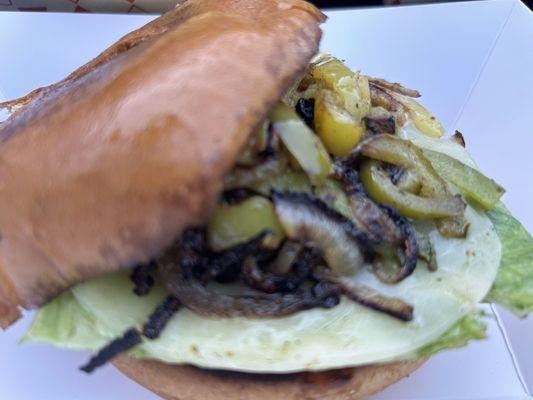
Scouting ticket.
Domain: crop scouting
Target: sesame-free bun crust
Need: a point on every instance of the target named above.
(175, 382)
(103, 170)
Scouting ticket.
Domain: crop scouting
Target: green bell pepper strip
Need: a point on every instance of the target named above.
(382, 190)
(394, 150)
(472, 183)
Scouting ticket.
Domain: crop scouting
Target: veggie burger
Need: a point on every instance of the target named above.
(225, 214)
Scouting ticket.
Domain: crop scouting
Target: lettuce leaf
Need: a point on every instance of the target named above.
(470, 327)
(513, 287)
(63, 322)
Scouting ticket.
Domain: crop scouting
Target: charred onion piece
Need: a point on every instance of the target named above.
(458, 138)
(376, 223)
(395, 87)
(195, 296)
(409, 257)
(194, 251)
(286, 257)
(426, 252)
(257, 148)
(307, 218)
(272, 144)
(264, 281)
(305, 108)
(367, 296)
(128, 341)
(237, 195)
(369, 215)
(308, 260)
(160, 317)
(382, 98)
(379, 125)
(233, 257)
(248, 177)
(347, 172)
(142, 279)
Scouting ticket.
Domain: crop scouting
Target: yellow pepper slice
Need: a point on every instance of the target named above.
(425, 121)
(301, 143)
(339, 130)
(234, 224)
(352, 87)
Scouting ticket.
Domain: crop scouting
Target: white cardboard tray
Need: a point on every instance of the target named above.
(474, 64)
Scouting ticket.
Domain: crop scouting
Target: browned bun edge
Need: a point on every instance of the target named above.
(104, 170)
(176, 382)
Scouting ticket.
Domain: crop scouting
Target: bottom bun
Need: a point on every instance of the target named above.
(178, 382)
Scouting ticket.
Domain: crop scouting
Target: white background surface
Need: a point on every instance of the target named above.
(473, 62)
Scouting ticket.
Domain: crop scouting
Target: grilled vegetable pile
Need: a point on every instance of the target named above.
(348, 226)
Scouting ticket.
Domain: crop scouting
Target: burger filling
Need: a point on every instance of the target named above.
(346, 223)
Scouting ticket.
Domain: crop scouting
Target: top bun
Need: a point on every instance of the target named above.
(105, 169)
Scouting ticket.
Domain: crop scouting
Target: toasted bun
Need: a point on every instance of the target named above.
(174, 382)
(105, 169)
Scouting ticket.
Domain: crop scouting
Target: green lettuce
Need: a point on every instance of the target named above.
(470, 327)
(513, 287)
(64, 322)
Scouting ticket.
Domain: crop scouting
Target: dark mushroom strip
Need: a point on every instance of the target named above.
(395, 87)
(308, 260)
(309, 219)
(221, 262)
(205, 264)
(264, 281)
(198, 298)
(128, 341)
(299, 266)
(142, 279)
(160, 317)
(194, 251)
